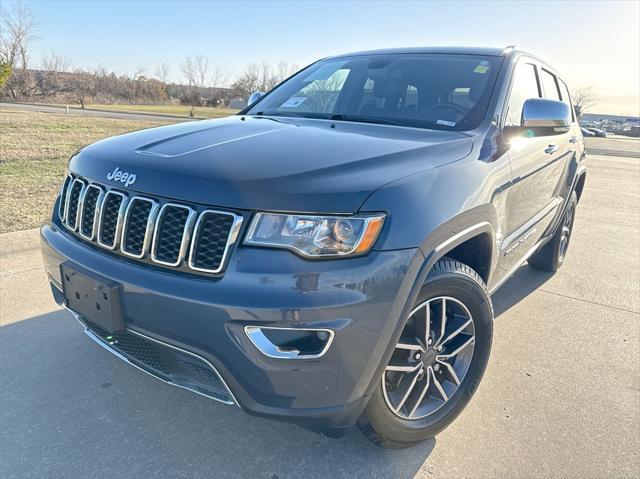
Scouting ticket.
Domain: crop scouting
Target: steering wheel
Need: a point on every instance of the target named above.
(450, 106)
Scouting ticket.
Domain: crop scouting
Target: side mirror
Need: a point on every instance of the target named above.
(545, 117)
(254, 97)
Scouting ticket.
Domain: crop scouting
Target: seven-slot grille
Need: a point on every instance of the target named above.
(147, 229)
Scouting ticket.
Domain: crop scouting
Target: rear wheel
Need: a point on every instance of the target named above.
(553, 254)
(438, 362)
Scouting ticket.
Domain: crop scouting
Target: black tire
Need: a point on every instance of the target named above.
(456, 280)
(552, 255)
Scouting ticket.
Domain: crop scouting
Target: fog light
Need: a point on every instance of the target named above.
(290, 343)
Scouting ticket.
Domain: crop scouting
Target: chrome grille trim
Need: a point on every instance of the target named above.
(119, 221)
(83, 185)
(232, 238)
(186, 234)
(96, 213)
(149, 227)
(64, 192)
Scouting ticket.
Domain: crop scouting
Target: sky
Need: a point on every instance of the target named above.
(591, 43)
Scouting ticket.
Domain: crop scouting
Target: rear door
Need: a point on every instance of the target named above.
(537, 165)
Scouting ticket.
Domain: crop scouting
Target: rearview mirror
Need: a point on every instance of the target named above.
(254, 97)
(545, 117)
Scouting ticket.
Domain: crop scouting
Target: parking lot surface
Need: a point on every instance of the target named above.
(560, 398)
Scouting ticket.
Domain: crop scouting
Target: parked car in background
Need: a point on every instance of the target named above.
(586, 132)
(327, 256)
(598, 132)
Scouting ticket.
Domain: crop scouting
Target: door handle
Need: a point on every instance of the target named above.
(573, 139)
(551, 149)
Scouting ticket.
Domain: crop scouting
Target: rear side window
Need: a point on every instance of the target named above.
(549, 85)
(564, 91)
(525, 86)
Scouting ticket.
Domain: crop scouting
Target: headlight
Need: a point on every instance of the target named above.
(316, 236)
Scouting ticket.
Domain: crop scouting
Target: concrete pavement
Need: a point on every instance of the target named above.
(561, 396)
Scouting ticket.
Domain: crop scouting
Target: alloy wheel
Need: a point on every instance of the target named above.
(566, 232)
(431, 358)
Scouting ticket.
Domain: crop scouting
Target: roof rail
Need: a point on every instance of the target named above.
(508, 48)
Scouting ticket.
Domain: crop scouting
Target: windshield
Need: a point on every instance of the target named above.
(435, 91)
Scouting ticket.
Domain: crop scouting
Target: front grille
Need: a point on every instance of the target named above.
(188, 238)
(170, 238)
(168, 363)
(109, 219)
(136, 227)
(73, 203)
(89, 210)
(210, 241)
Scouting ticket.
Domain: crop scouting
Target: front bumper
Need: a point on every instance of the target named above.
(360, 299)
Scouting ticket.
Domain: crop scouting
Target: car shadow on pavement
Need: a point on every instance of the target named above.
(523, 282)
(70, 409)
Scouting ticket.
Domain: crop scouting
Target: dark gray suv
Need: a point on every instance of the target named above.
(327, 256)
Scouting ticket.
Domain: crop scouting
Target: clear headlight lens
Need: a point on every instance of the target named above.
(316, 236)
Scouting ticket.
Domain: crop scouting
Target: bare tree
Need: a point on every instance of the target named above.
(82, 86)
(583, 99)
(195, 71)
(162, 72)
(50, 78)
(17, 32)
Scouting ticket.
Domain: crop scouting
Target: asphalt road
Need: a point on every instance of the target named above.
(96, 113)
(561, 396)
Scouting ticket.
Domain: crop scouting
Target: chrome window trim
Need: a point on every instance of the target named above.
(234, 232)
(96, 213)
(80, 198)
(64, 192)
(148, 232)
(185, 234)
(119, 220)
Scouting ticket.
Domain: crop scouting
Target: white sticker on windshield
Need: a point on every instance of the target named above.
(294, 102)
(445, 123)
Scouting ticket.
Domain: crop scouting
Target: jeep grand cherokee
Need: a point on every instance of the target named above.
(326, 256)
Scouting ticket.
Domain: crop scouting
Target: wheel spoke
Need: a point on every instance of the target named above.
(439, 386)
(455, 333)
(427, 308)
(460, 348)
(452, 371)
(410, 347)
(404, 369)
(443, 320)
(408, 391)
(422, 394)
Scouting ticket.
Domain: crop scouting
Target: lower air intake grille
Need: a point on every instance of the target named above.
(170, 364)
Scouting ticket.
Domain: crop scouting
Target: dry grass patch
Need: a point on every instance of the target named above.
(34, 149)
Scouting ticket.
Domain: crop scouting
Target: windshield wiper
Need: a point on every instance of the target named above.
(360, 119)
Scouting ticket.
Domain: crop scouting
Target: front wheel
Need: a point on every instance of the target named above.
(438, 362)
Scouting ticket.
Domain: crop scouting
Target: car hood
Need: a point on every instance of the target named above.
(277, 164)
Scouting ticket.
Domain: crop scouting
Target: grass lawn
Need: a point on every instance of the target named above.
(34, 149)
(181, 110)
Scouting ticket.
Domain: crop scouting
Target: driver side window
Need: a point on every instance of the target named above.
(524, 86)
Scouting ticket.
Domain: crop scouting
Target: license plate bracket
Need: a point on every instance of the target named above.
(93, 297)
